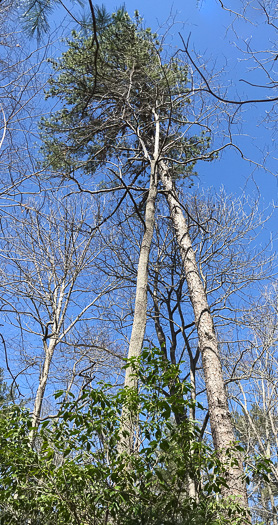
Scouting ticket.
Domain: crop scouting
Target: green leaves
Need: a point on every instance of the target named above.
(75, 473)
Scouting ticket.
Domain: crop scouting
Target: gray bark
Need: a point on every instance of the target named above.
(140, 308)
(42, 382)
(220, 419)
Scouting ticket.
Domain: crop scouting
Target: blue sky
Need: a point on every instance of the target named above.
(214, 37)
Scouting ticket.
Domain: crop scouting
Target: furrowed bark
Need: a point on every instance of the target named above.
(220, 419)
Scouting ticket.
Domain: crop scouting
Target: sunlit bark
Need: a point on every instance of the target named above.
(220, 419)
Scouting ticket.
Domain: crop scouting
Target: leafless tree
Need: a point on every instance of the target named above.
(252, 89)
(51, 290)
(22, 79)
(254, 396)
(225, 235)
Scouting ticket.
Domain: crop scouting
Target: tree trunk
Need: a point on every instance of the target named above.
(220, 419)
(140, 309)
(42, 385)
(49, 350)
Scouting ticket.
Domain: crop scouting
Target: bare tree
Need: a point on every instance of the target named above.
(225, 236)
(220, 419)
(49, 284)
(22, 79)
(254, 395)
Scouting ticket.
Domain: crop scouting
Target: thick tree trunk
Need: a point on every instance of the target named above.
(220, 419)
(140, 308)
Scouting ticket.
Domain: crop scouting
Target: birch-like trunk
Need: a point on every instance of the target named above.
(49, 350)
(220, 419)
(140, 308)
(42, 383)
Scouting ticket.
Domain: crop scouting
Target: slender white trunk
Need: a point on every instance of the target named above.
(49, 350)
(220, 419)
(140, 308)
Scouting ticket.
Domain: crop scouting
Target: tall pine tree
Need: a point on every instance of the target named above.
(126, 123)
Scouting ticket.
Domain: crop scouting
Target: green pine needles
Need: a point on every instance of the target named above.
(111, 97)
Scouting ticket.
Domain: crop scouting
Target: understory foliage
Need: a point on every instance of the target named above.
(74, 474)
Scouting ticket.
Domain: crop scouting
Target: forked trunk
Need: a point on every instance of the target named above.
(220, 419)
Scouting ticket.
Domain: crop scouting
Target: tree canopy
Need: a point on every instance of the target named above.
(109, 104)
